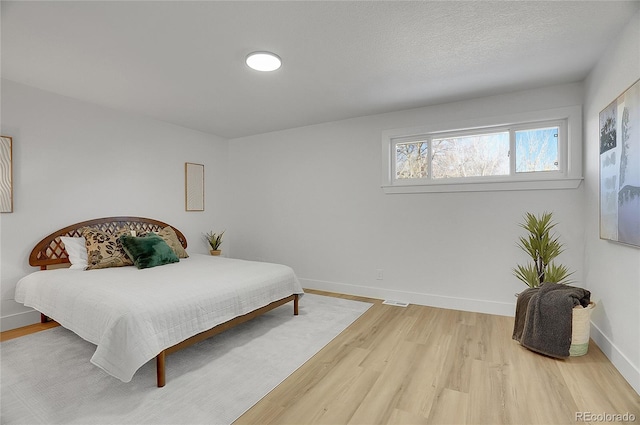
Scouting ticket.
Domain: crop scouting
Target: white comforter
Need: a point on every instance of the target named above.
(132, 315)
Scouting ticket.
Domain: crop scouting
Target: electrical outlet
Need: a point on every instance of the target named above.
(379, 274)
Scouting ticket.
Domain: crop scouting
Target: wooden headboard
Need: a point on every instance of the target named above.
(50, 250)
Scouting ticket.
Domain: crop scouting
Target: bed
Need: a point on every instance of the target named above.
(133, 315)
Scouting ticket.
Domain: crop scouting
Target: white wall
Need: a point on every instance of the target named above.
(75, 161)
(612, 271)
(311, 198)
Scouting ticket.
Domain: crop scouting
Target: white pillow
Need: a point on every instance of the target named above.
(77, 252)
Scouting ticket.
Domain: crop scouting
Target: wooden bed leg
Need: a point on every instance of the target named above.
(43, 318)
(160, 358)
(160, 369)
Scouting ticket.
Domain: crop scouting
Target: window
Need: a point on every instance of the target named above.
(521, 155)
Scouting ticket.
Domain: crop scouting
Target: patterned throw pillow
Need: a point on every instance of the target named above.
(104, 250)
(170, 237)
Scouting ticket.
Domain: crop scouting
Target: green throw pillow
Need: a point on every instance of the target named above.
(148, 251)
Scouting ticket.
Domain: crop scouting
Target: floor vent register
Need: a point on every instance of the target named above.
(395, 303)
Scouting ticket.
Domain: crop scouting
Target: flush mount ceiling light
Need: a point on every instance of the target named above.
(263, 61)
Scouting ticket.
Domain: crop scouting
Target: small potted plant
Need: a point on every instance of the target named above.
(543, 247)
(214, 240)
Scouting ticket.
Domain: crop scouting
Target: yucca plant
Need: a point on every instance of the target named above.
(214, 240)
(543, 247)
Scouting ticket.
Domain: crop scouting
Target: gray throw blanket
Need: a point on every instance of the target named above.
(544, 316)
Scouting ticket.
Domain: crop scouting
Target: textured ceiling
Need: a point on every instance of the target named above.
(183, 62)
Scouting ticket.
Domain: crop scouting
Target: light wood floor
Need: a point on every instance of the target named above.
(424, 365)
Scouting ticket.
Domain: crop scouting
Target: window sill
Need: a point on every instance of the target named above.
(565, 183)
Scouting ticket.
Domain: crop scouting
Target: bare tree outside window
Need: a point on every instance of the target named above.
(526, 151)
(501, 152)
(412, 160)
(537, 150)
(471, 156)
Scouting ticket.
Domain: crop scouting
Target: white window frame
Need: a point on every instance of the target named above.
(569, 175)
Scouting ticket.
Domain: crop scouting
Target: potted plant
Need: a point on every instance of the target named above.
(214, 240)
(543, 247)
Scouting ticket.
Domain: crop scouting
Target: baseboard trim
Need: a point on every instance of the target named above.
(18, 320)
(621, 362)
(440, 301)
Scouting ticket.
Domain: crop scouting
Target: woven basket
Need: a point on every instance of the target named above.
(581, 330)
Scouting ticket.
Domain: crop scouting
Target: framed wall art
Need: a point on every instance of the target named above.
(6, 174)
(620, 168)
(194, 186)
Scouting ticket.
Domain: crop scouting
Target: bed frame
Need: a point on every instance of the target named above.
(49, 253)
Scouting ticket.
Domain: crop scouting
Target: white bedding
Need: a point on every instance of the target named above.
(132, 315)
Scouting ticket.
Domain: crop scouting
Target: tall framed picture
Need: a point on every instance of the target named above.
(6, 174)
(194, 186)
(620, 168)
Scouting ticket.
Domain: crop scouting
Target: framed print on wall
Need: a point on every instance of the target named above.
(620, 168)
(6, 174)
(194, 186)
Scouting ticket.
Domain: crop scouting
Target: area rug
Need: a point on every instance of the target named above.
(46, 378)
